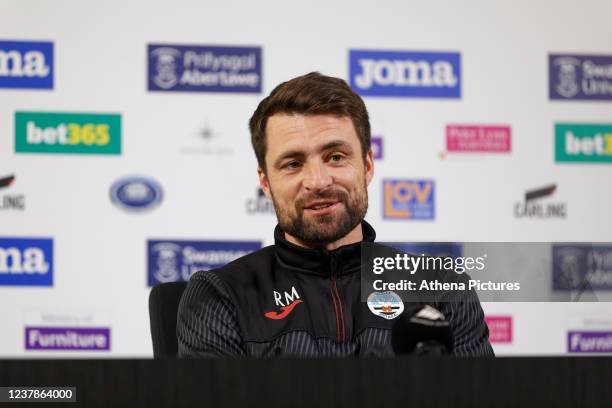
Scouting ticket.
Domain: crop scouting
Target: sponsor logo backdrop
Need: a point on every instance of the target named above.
(485, 135)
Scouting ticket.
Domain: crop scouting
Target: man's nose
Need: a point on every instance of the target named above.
(316, 177)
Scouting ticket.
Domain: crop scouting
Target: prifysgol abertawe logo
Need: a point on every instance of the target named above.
(10, 201)
(534, 207)
(190, 68)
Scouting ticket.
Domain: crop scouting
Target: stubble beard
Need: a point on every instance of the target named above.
(323, 229)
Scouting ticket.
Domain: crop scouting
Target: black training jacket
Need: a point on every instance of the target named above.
(284, 300)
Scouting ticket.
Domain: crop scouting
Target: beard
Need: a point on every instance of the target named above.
(323, 229)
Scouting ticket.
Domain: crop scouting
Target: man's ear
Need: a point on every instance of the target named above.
(263, 182)
(369, 166)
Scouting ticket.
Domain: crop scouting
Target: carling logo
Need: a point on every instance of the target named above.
(67, 338)
(405, 73)
(589, 342)
(78, 133)
(583, 142)
(260, 204)
(409, 199)
(533, 207)
(500, 329)
(478, 138)
(26, 262)
(580, 77)
(10, 201)
(582, 267)
(26, 64)
(172, 261)
(204, 68)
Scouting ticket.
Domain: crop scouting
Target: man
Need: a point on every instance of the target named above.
(301, 296)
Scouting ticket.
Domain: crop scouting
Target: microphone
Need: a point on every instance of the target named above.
(423, 331)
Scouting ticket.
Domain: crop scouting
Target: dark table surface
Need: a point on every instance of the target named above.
(402, 381)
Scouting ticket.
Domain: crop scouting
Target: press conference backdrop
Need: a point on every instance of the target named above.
(125, 157)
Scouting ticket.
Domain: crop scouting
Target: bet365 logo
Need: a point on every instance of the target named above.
(79, 133)
(409, 199)
(583, 142)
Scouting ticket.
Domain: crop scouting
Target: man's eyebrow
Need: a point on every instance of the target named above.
(335, 144)
(291, 154)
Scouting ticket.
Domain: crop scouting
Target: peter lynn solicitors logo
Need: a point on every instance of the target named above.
(405, 73)
(26, 262)
(582, 267)
(189, 68)
(583, 143)
(26, 64)
(580, 77)
(172, 260)
(589, 342)
(500, 329)
(409, 199)
(478, 138)
(72, 133)
(67, 338)
(533, 207)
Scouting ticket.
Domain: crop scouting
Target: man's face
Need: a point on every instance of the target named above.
(316, 176)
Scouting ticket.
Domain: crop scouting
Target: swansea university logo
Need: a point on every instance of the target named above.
(409, 199)
(177, 260)
(405, 73)
(26, 64)
(580, 77)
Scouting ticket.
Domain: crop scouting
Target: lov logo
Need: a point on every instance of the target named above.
(583, 142)
(405, 73)
(78, 133)
(26, 64)
(26, 261)
(409, 199)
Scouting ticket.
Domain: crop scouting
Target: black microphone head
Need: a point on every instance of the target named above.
(422, 330)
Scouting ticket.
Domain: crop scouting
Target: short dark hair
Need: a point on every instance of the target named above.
(310, 94)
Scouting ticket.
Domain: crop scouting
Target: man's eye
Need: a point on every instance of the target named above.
(336, 157)
(293, 165)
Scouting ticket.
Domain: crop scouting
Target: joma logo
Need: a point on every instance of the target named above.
(30, 64)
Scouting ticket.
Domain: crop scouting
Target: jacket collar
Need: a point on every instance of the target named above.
(343, 260)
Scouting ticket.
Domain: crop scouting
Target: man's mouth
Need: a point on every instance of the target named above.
(321, 207)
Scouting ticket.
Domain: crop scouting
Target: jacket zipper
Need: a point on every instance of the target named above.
(339, 314)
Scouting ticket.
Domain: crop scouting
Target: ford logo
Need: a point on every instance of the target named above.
(136, 193)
